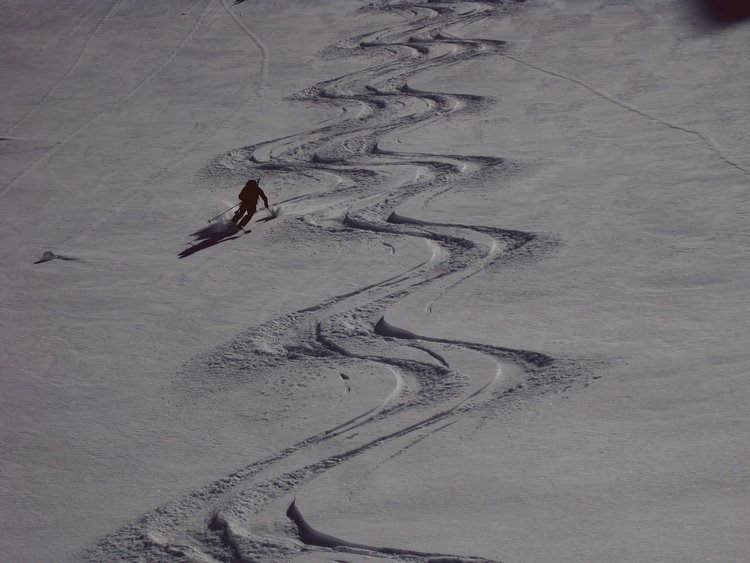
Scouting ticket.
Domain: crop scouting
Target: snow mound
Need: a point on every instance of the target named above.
(49, 255)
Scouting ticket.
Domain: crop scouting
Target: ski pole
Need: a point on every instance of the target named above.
(222, 213)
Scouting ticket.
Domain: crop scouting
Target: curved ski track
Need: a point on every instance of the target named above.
(215, 522)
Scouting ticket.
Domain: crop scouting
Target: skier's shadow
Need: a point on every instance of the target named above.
(210, 236)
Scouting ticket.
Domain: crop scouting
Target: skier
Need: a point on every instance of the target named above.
(249, 198)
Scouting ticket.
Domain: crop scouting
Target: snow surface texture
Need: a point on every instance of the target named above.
(498, 310)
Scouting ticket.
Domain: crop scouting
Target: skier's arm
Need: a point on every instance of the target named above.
(265, 199)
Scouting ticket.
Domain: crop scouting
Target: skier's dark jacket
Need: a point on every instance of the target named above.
(251, 192)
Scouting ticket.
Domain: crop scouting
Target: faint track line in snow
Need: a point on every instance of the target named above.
(265, 55)
(171, 56)
(712, 145)
(48, 154)
(120, 102)
(82, 20)
(75, 64)
(122, 79)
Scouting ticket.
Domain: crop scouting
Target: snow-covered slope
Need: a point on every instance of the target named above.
(502, 315)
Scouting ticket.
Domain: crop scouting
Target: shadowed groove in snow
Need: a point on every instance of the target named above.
(311, 536)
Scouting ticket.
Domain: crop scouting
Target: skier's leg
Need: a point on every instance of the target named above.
(240, 213)
(246, 220)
